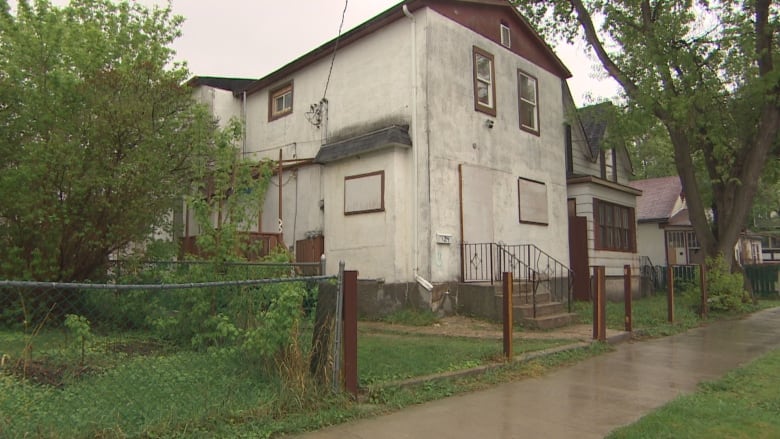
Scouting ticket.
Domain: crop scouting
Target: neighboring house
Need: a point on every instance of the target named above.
(601, 204)
(664, 231)
(665, 234)
(437, 123)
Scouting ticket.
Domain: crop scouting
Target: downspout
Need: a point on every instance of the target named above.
(415, 146)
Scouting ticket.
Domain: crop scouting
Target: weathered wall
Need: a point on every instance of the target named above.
(375, 243)
(457, 134)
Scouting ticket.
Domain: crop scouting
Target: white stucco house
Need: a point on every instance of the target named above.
(424, 146)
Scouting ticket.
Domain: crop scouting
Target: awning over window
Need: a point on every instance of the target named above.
(392, 136)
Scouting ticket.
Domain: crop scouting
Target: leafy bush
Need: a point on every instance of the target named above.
(725, 291)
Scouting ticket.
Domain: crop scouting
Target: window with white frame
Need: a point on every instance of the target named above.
(280, 101)
(506, 38)
(528, 102)
(484, 82)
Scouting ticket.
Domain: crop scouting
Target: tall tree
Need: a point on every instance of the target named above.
(98, 136)
(705, 70)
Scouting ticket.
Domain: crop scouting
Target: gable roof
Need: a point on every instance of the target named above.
(659, 197)
(230, 84)
(396, 13)
(594, 119)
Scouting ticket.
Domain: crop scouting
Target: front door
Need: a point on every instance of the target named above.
(578, 256)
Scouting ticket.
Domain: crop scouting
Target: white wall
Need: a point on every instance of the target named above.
(373, 243)
(369, 84)
(221, 103)
(651, 242)
(458, 134)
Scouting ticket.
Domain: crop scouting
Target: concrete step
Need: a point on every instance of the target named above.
(550, 322)
(542, 309)
(528, 299)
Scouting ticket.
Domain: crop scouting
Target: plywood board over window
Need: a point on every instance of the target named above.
(364, 193)
(532, 201)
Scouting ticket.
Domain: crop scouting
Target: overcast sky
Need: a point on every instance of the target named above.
(251, 38)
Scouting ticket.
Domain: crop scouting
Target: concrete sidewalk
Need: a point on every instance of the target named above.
(587, 400)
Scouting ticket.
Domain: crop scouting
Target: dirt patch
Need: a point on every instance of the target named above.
(462, 326)
(48, 372)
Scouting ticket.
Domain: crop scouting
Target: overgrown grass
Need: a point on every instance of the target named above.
(388, 399)
(386, 357)
(650, 318)
(164, 392)
(743, 404)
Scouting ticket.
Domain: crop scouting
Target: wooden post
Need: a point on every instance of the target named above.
(703, 280)
(670, 294)
(508, 322)
(599, 305)
(350, 332)
(627, 296)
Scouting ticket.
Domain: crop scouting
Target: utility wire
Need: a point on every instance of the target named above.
(335, 49)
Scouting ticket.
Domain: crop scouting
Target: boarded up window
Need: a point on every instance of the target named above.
(532, 199)
(364, 193)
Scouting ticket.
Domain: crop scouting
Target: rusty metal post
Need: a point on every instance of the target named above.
(508, 322)
(350, 332)
(600, 305)
(703, 280)
(627, 296)
(670, 294)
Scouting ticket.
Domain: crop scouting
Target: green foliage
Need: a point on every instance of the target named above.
(702, 71)
(98, 130)
(227, 197)
(79, 327)
(725, 290)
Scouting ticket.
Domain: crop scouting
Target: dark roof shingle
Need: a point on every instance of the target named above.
(393, 135)
(659, 196)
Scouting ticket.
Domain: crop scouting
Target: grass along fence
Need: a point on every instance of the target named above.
(86, 360)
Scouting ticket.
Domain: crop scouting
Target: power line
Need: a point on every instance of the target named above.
(335, 49)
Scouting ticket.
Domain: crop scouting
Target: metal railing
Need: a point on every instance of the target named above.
(485, 262)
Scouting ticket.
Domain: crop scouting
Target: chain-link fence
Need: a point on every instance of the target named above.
(162, 347)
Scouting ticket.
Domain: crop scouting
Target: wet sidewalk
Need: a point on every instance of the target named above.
(587, 400)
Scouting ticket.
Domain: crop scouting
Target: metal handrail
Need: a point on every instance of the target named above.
(528, 262)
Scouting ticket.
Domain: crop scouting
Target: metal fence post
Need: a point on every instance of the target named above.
(322, 265)
(508, 322)
(337, 343)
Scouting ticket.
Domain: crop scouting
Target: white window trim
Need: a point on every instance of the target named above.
(524, 101)
(506, 42)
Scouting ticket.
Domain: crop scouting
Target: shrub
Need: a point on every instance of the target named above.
(725, 291)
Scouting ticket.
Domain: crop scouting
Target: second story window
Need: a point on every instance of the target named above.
(484, 82)
(528, 104)
(280, 101)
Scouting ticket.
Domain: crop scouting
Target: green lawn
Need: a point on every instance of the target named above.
(650, 317)
(153, 389)
(743, 404)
